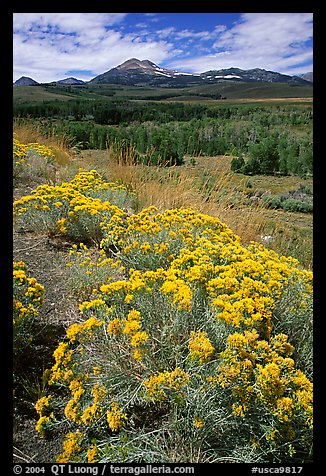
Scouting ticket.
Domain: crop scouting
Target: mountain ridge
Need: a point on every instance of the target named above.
(138, 72)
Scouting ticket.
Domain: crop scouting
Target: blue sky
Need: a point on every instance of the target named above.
(53, 46)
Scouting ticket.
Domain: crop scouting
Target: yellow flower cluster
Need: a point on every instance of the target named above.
(164, 384)
(46, 417)
(27, 296)
(262, 372)
(115, 417)
(71, 447)
(42, 404)
(73, 408)
(115, 327)
(198, 423)
(132, 327)
(92, 454)
(81, 331)
(244, 291)
(61, 370)
(200, 347)
(19, 154)
(94, 411)
(182, 294)
(92, 182)
(43, 425)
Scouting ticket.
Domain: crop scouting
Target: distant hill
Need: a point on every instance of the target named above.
(256, 75)
(307, 76)
(69, 81)
(25, 81)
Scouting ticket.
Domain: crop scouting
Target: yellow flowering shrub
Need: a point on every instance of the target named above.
(183, 344)
(90, 268)
(21, 150)
(32, 160)
(152, 240)
(80, 209)
(19, 157)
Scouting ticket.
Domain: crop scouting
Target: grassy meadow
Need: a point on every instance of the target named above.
(190, 336)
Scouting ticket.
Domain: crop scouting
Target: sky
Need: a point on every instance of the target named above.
(52, 46)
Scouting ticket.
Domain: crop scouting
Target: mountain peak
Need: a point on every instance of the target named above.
(134, 63)
(135, 71)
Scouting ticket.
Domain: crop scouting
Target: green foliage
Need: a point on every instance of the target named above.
(172, 130)
(299, 200)
(237, 164)
(293, 205)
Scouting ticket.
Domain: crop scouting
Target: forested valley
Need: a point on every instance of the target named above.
(263, 138)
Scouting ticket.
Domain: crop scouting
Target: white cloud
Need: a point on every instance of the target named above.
(274, 41)
(48, 45)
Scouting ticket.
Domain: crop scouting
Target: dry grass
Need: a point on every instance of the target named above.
(26, 133)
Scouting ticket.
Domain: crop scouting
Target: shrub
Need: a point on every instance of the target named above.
(186, 355)
(271, 201)
(32, 160)
(79, 210)
(237, 164)
(289, 204)
(89, 269)
(293, 205)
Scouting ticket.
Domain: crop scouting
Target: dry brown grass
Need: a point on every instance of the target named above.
(26, 133)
